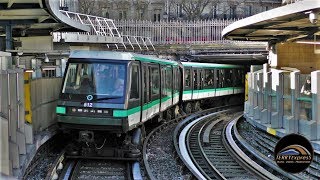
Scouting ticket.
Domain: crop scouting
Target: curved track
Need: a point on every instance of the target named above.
(171, 124)
(207, 147)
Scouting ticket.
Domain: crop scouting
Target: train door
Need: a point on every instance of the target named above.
(154, 90)
(145, 91)
(187, 90)
(135, 94)
(201, 77)
(162, 87)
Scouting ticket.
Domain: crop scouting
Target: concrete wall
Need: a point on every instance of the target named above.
(44, 94)
(300, 56)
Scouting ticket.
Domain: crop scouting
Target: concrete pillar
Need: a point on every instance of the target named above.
(259, 96)
(5, 167)
(250, 104)
(277, 87)
(292, 122)
(315, 90)
(264, 111)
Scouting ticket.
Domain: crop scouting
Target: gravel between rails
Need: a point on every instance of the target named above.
(44, 159)
(161, 157)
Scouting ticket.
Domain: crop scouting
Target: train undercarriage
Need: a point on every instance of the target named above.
(105, 145)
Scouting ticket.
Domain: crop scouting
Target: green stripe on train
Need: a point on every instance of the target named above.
(210, 65)
(211, 90)
(125, 113)
(160, 61)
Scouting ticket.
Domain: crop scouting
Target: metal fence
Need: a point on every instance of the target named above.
(176, 32)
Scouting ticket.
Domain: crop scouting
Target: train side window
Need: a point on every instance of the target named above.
(168, 80)
(208, 79)
(154, 82)
(163, 81)
(222, 78)
(227, 77)
(195, 81)
(187, 78)
(134, 93)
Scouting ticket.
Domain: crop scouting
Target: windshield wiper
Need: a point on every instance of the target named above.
(106, 98)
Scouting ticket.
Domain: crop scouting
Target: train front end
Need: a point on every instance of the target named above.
(93, 92)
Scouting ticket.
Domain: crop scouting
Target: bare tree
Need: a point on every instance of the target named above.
(92, 7)
(194, 8)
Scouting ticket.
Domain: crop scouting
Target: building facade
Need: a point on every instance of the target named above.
(156, 10)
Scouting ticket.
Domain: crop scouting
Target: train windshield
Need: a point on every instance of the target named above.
(101, 80)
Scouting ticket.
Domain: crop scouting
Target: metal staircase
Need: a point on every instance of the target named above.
(102, 30)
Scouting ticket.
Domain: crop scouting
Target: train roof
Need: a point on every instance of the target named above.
(119, 56)
(210, 65)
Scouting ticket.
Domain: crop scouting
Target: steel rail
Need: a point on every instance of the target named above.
(216, 172)
(259, 155)
(241, 157)
(186, 118)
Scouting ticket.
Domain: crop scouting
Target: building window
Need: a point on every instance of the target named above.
(107, 15)
(249, 10)
(233, 12)
(122, 15)
(156, 15)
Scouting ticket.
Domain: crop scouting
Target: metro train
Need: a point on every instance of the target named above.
(111, 95)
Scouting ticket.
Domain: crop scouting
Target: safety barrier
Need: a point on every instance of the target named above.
(14, 132)
(285, 100)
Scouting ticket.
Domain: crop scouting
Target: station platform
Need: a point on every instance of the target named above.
(280, 102)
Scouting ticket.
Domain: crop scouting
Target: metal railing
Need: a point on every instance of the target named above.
(177, 32)
(104, 27)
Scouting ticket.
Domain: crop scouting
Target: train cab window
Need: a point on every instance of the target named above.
(187, 78)
(154, 82)
(208, 79)
(134, 91)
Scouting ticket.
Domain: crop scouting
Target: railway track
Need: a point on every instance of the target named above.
(169, 165)
(213, 158)
(207, 146)
(60, 166)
